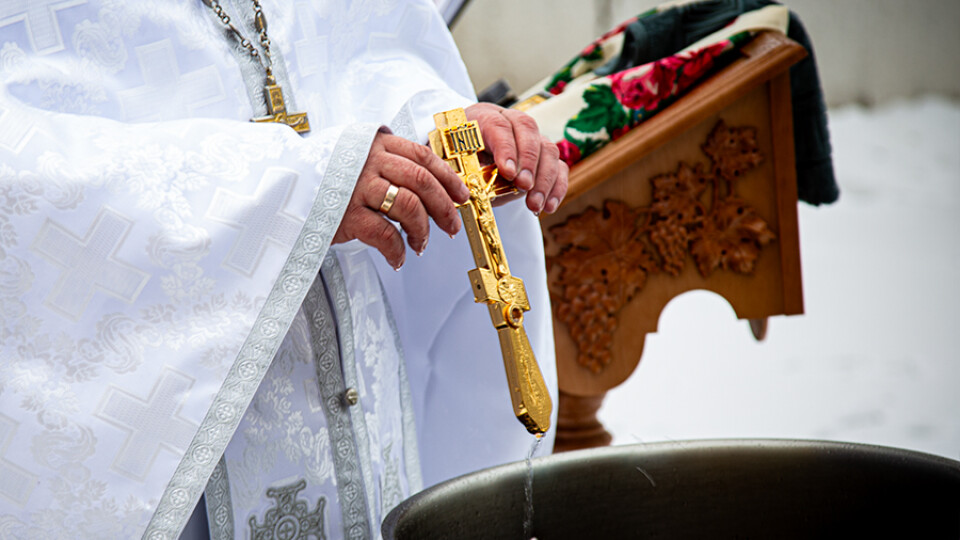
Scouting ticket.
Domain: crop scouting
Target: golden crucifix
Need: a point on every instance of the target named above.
(277, 108)
(458, 141)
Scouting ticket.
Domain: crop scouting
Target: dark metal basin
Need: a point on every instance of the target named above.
(701, 489)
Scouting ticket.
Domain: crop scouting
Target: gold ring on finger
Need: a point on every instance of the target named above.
(389, 198)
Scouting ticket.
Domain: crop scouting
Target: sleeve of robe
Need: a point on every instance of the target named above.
(149, 270)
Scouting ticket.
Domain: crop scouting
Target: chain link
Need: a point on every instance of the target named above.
(260, 22)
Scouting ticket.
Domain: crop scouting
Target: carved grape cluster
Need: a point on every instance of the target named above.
(607, 254)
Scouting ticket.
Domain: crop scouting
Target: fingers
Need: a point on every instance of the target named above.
(551, 181)
(364, 221)
(428, 188)
(421, 194)
(421, 155)
(369, 226)
(498, 137)
(430, 183)
(409, 213)
(526, 135)
(522, 155)
(513, 138)
(559, 190)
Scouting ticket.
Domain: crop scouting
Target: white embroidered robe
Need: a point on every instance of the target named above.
(160, 271)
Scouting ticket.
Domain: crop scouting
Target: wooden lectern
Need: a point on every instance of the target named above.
(701, 196)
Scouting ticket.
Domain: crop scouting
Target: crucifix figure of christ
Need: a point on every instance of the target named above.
(458, 141)
(277, 108)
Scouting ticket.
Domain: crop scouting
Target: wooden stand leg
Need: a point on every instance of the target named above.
(759, 328)
(577, 424)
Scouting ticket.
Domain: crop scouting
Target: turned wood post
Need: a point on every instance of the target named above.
(577, 423)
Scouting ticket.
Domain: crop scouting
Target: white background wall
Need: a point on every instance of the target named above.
(868, 51)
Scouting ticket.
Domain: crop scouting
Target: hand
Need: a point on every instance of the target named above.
(428, 189)
(523, 155)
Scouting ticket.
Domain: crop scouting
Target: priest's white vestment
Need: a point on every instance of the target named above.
(173, 318)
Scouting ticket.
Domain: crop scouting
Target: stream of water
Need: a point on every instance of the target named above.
(528, 491)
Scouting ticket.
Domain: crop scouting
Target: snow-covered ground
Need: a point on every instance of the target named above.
(876, 357)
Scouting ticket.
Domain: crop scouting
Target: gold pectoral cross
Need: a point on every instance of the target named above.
(277, 109)
(458, 141)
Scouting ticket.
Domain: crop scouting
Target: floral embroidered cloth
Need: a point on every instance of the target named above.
(625, 99)
(645, 47)
(582, 111)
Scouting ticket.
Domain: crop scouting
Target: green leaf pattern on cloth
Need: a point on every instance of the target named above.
(617, 103)
(603, 114)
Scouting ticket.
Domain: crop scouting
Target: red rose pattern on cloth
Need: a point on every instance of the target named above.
(619, 102)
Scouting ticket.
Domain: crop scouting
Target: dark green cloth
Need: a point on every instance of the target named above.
(663, 34)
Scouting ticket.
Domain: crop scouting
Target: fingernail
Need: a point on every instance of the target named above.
(552, 205)
(525, 180)
(536, 200)
(510, 167)
(451, 236)
(423, 248)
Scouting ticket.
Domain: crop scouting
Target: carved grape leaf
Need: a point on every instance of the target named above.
(602, 265)
(603, 246)
(678, 194)
(733, 151)
(731, 238)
